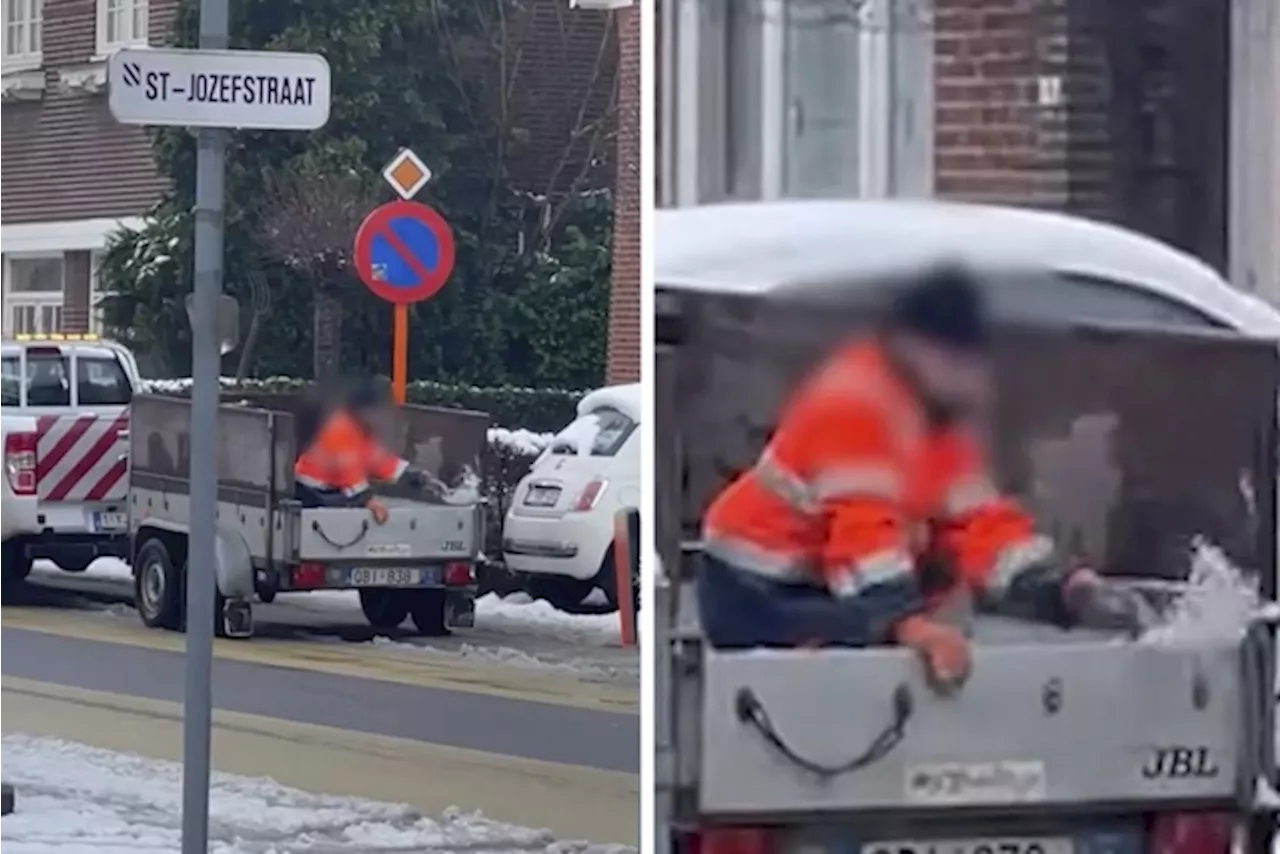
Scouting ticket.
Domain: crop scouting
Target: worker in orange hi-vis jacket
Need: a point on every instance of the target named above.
(872, 504)
(345, 458)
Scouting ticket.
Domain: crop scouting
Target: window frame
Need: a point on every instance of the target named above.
(893, 93)
(27, 60)
(104, 47)
(16, 301)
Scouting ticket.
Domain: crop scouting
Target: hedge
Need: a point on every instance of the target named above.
(541, 410)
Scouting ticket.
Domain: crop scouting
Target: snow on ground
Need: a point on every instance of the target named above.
(73, 799)
(516, 614)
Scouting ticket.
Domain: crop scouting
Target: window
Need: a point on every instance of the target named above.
(47, 381)
(23, 20)
(798, 98)
(12, 386)
(33, 294)
(599, 433)
(101, 381)
(121, 23)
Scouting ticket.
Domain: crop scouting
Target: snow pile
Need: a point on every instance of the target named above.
(1217, 600)
(518, 614)
(73, 799)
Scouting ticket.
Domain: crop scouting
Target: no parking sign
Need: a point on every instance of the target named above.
(404, 252)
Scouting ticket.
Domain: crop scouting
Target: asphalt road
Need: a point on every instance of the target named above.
(382, 721)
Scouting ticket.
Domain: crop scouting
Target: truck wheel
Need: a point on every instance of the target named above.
(157, 587)
(428, 609)
(384, 608)
(14, 566)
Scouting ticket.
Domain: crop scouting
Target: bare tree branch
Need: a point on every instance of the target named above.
(312, 218)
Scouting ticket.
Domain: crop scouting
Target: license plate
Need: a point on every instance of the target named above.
(109, 521)
(998, 845)
(542, 496)
(385, 577)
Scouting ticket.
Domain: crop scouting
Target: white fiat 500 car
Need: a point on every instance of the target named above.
(558, 533)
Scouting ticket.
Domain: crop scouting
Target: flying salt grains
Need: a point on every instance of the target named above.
(1217, 603)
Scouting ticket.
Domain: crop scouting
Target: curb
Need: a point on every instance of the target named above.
(6, 798)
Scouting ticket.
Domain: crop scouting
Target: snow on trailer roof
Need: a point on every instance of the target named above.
(803, 246)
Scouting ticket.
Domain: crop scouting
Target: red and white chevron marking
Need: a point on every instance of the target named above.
(82, 457)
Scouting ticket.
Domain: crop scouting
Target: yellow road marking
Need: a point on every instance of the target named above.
(362, 661)
(574, 802)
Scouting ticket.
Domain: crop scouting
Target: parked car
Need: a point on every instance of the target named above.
(558, 533)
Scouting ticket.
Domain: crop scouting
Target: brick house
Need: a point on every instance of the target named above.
(72, 174)
(1157, 114)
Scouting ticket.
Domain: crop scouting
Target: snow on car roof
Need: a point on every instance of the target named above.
(624, 398)
(760, 247)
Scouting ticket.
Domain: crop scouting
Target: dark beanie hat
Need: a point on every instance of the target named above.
(945, 305)
(370, 393)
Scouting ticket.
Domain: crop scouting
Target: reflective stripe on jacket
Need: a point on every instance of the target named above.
(343, 457)
(854, 485)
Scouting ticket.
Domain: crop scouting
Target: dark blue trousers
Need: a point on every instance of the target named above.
(741, 609)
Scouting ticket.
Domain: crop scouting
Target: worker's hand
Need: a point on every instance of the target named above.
(378, 510)
(425, 483)
(943, 650)
(1095, 603)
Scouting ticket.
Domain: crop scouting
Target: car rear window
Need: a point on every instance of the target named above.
(100, 380)
(48, 383)
(600, 433)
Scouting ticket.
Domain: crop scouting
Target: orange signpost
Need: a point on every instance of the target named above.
(626, 568)
(404, 253)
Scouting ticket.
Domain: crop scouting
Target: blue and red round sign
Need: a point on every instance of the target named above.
(404, 252)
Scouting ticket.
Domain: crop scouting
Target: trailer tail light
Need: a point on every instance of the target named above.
(727, 840)
(20, 462)
(307, 576)
(458, 575)
(1190, 833)
(590, 495)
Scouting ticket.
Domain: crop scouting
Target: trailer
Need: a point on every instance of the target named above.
(419, 564)
(1132, 421)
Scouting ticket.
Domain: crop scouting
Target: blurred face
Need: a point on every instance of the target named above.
(957, 383)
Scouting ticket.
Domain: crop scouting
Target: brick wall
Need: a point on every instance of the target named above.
(624, 301)
(565, 67)
(1104, 109)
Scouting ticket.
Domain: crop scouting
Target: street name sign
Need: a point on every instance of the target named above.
(257, 90)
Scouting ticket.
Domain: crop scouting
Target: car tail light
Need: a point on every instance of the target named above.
(590, 495)
(458, 575)
(307, 575)
(20, 462)
(728, 840)
(1191, 833)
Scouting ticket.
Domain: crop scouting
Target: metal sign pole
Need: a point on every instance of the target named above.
(197, 711)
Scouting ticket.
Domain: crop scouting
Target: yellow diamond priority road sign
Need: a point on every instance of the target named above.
(406, 173)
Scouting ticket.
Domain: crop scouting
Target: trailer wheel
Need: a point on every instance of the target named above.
(384, 608)
(429, 611)
(157, 587)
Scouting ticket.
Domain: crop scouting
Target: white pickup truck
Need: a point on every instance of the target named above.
(66, 429)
